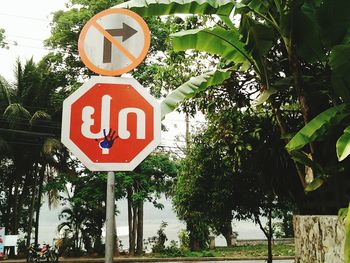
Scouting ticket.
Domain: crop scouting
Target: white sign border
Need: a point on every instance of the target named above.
(92, 166)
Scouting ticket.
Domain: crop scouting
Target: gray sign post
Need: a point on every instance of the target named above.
(110, 215)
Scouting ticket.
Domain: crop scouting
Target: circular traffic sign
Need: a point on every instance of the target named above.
(114, 42)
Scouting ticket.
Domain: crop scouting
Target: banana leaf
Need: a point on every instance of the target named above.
(339, 60)
(190, 88)
(169, 7)
(217, 41)
(343, 145)
(318, 127)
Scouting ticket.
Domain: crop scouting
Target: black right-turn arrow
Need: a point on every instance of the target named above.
(126, 32)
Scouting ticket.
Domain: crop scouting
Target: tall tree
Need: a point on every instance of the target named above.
(153, 177)
(29, 136)
(218, 182)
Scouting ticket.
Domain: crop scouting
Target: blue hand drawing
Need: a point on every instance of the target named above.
(109, 139)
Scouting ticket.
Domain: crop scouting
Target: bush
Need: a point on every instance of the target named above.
(158, 242)
(172, 250)
(207, 254)
(184, 239)
(73, 253)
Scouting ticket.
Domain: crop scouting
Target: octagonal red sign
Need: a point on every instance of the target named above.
(111, 124)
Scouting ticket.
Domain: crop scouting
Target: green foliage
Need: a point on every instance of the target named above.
(172, 251)
(3, 43)
(307, 35)
(158, 242)
(191, 88)
(216, 41)
(217, 181)
(314, 185)
(151, 178)
(167, 7)
(343, 145)
(283, 228)
(250, 251)
(334, 21)
(84, 215)
(184, 239)
(65, 30)
(318, 127)
(339, 62)
(258, 39)
(28, 133)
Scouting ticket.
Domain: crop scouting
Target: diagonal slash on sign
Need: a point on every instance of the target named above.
(92, 53)
(114, 41)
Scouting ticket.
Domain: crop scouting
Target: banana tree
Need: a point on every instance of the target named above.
(307, 30)
(312, 33)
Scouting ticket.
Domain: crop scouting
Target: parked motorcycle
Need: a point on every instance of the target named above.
(44, 254)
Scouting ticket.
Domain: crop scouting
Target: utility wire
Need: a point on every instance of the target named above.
(28, 132)
(29, 46)
(24, 37)
(25, 17)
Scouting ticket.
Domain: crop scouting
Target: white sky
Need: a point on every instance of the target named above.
(27, 24)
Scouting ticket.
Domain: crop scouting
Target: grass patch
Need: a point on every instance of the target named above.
(237, 252)
(254, 251)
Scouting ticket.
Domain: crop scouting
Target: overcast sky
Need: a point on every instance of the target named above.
(27, 24)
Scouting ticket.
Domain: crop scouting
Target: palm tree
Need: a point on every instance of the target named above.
(75, 217)
(29, 136)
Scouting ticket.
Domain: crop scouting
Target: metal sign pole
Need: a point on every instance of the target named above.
(109, 246)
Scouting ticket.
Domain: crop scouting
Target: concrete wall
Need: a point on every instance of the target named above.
(319, 239)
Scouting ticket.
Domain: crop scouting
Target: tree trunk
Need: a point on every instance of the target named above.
(134, 230)
(268, 234)
(269, 250)
(10, 204)
(14, 227)
(131, 217)
(76, 237)
(22, 197)
(38, 204)
(294, 65)
(303, 99)
(269, 238)
(116, 245)
(194, 245)
(31, 209)
(227, 233)
(187, 134)
(139, 247)
(319, 239)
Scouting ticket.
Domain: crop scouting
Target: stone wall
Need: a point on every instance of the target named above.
(319, 239)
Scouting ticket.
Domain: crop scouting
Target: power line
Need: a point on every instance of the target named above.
(35, 47)
(55, 135)
(29, 132)
(25, 37)
(24, 143)
(181, 120)
(25, 17)
(29, 46)
(53, 126)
